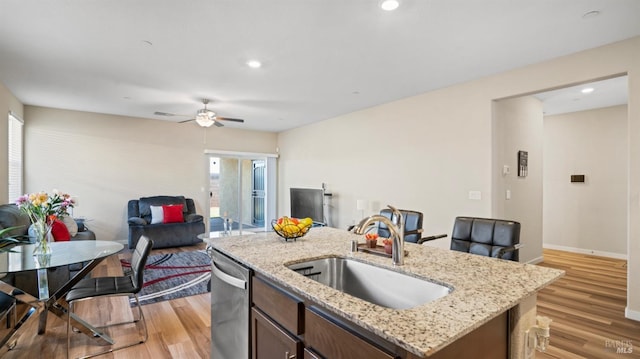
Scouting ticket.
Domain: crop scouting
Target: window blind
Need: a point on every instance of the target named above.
(14, 141)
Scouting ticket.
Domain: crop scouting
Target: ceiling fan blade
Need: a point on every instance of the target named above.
(218, 124)
(168, 114)
(229, 119)
(158, 113)
(189, 120)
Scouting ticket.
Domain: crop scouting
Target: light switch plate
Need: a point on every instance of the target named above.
(475, 195)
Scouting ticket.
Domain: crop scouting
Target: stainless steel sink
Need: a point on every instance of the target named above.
(374, 284)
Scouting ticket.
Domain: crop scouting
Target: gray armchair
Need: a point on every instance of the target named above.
(164, 235)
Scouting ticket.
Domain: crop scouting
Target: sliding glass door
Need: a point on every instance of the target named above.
(241, 193)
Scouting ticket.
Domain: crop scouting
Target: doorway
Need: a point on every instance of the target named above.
(566, 132)
(585, 168)
(240, 193)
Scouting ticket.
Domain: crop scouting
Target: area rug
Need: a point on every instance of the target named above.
(171, 276)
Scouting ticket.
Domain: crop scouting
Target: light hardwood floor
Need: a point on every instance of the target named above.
(587, 308)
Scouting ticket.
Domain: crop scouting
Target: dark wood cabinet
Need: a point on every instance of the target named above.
(310, 354)
(333, 341)
(282, 307)
(285, 326)
(270, 341)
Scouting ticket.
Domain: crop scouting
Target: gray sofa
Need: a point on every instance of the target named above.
(164, 234)
(12, 216)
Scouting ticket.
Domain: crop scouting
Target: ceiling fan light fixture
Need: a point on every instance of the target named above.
(204, 118)
(204, 121)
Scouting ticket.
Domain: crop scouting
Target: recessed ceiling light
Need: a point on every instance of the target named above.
(389, 5)
(254, 64)
(587, 90)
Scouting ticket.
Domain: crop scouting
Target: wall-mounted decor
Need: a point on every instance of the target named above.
(577, 178)
(523, 159)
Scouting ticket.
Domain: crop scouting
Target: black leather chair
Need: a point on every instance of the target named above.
(488, 237)
(129, 285)
(8, 309)
(412, 226)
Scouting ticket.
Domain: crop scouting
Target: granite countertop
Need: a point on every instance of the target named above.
(483, 287)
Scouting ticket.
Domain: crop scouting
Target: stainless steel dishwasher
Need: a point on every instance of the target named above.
(230, 303)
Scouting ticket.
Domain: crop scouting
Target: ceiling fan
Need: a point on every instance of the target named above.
(204, 117)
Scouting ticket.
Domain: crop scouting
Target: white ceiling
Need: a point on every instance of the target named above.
(606, 93)
(321, 58)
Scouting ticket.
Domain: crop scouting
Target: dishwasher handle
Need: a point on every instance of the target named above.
(231, 280)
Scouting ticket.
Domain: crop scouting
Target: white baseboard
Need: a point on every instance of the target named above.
(586, 251)
(536, 260)
(632, 314)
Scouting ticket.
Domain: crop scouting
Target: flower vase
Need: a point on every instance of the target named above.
(42, 232)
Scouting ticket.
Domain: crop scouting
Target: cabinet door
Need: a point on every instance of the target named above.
(270, 341)
(335, 342)
(310, 354)
(278, 305)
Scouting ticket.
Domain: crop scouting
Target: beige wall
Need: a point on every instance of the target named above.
(518, 126)
(588, 217)
(107, 160)
(8, 103)
(421, 153)
(426, 152)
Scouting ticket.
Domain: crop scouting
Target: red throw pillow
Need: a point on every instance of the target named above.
(172, 214)
(60, 232)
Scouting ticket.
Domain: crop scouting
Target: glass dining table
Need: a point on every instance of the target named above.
(21, 258)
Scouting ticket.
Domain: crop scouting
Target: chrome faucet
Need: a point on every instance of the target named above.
(396, 227)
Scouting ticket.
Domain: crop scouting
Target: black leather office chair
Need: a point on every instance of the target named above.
(486, 236)
(129, 285)
(412, 226)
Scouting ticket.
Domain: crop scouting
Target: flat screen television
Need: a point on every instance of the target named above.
(307, 202)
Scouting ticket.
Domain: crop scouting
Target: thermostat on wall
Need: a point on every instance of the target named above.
(577, 178)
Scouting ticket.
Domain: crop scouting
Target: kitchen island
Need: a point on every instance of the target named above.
(484, 290)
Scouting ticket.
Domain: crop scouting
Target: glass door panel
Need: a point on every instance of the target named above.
(238, 195)
(258, 193)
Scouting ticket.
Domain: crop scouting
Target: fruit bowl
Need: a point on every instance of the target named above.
(291, 228)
